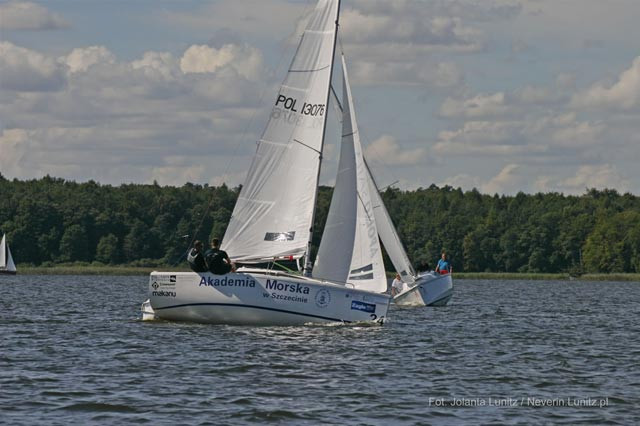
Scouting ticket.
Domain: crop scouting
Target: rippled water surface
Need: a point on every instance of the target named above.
(74, 351)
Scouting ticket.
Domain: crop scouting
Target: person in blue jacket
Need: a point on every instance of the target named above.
(444, 267)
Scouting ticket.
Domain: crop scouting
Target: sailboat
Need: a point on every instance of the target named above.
(421, 288)
(6, 260)
(360, 263)
(273, 216)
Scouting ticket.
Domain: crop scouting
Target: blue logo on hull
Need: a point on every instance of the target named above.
(362, 306)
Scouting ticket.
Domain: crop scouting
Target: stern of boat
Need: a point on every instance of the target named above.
(430, 290)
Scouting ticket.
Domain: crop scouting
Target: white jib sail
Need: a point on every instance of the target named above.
(389, 235)
(366, 268)
(333, 260)
(273, 215)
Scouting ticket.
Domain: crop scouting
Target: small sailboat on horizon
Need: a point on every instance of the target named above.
(7, 266)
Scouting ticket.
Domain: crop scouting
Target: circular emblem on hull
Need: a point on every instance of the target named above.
(155, 285)
(323, 297)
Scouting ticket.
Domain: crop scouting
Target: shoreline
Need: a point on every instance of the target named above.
(527, 276)
(137, 270)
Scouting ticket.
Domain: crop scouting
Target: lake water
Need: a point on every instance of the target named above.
(74, 351)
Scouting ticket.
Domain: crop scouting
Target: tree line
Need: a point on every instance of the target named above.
(50, 221)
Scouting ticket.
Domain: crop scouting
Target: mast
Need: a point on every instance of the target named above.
(308, 266)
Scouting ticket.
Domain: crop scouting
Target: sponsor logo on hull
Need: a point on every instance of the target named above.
(163, 293)
(323, 297)
(362, 306)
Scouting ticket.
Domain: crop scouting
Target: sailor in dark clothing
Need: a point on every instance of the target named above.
(218, 260)
(196, 258)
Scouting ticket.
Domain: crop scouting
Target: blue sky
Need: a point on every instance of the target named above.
(501, 95)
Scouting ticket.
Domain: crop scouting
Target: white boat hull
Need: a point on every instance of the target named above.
(430, 290)
(258, 297)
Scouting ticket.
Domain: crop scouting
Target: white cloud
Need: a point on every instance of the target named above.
(30, 71)
(531, 139)
(254, 17)
(624, 94)
(17, 15)
(462, 180)
(80, 59)
(476, 107)
(579, 134)
(231, 179)
(588, 176)
(182, 115)
(399, 42)
(368, 28)
(14, 143)
(158, 65)
(245, 60)
(117, 121)
(434, 74)
(387, 150)
(177, 168)
(509, 180)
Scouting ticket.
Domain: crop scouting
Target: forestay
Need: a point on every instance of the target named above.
(273, 215)
(350, 250)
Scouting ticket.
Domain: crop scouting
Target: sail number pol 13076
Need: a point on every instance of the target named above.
(307, 109)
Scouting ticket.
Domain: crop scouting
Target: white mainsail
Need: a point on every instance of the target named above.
(389, 235)
(350, 252)
(274, 212)
(6, 260)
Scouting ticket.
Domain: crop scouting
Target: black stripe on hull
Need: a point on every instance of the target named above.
(237, 305)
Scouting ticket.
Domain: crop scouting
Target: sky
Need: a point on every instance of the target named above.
(499, 95)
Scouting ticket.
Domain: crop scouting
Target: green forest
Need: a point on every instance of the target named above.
(53, 221)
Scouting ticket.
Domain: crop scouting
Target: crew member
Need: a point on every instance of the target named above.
(218, 260)
(444, 267)
(196, 258)
(397, 286)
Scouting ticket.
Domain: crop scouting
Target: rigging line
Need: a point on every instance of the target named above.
(379, 157)
(283, 49)
(371, 148)
(384, 188)
(364, 206)
(311, 148)
(336, 100)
